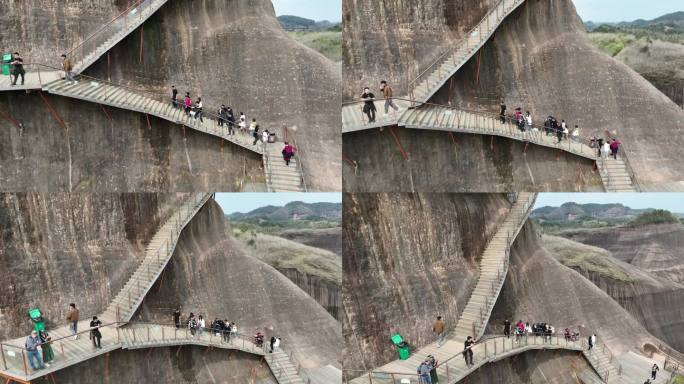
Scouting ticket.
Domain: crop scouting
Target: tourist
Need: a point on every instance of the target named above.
(438, 328)
(654, 371)
(221, 115)
(230, 120)
(518, 117)
(201, 324)
(528, 329)
(272, 343)
(576, 134)
(559, 134)
(369, 104)
(32, 344)
(198, 109)
(605, 151)
(174, 96)
(276, 345)
(468, 351)
(564, 128)
(255, 134)
(226, 329)
(95, 334)
(46, 346)
(234, 330)
(252, 126)
(264, 136)
(243, 122)
(176, 318)
(528, 121)
(388, 93)
(599, 143)
(18, 64)
(72, 319)
(288, 152)
(502, 112)
(433, 368)
(507, 328)
(187, 103)
(192, 324)
(614, 147)
(424, 371)
(66, 65)
(259, 340)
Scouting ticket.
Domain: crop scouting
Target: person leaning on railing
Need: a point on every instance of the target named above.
(369, 104)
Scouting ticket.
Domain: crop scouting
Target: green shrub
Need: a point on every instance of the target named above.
(657, 216)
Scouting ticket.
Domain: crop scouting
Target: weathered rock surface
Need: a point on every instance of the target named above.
(190, 364)
(439, 162)
(408, 258)
(540, 289)
(122, 154)
(209, 275)
(63, 248)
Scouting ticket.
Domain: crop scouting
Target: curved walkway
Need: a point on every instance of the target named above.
(452, 367)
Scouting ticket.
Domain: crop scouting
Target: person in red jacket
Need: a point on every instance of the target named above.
(288, 152)
(614, 147)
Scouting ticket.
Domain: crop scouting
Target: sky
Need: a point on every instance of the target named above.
(318, 10)
(245, 202)
(673, 202)
(625, 10)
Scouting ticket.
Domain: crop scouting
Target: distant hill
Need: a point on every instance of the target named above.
(296, 23)
(574, 216)
(574, 211)
(670, 23)
(291, 214)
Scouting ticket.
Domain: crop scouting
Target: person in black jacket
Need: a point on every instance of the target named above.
(369, 104)
(467, 351)
(18, 64)
(95, 334)
(256, 134)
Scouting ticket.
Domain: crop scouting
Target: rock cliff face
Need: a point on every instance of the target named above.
(534, 367)
(209, 275)
(226, 52)
(539, 59)
(326, 294)
(121, 154)
(407, 259)
(651, 255)
(62, 248)
(551, 68)
(540, 289)
(439, 162)
(190, 364)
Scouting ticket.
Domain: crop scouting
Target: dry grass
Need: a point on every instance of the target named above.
(282, 253)
(585, 257)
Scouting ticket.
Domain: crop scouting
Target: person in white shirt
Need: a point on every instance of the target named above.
(202, 324)
(264, 136)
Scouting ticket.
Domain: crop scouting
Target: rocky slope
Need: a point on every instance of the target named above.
(329, 238)
(408, 258)
(316, 271)
(63, 248)
(210, 275)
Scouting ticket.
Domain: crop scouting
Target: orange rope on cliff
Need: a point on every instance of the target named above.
(53, 112)
(396, 140)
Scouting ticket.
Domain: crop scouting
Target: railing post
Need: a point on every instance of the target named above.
(163, 338)
(4, 363)
(23, 358)
(118, 335)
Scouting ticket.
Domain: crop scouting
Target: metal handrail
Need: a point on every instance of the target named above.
(509, 118)
(555, 339)
(300, 164)
(459, 44)
(79, 53)
(168, 246)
